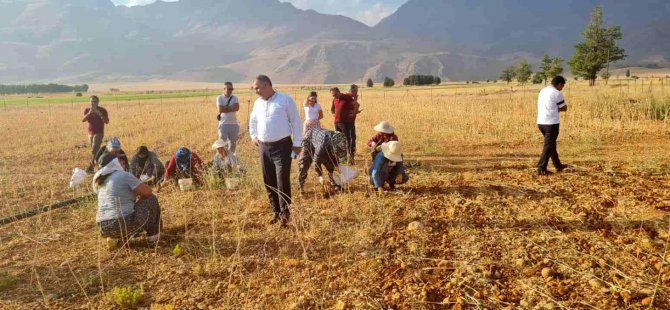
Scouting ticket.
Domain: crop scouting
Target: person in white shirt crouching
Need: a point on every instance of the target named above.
(550, 103)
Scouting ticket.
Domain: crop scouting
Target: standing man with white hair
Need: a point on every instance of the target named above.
(275, 128)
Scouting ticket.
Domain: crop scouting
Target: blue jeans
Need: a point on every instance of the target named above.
(229, 132)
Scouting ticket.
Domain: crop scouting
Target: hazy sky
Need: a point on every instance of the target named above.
(367, 11)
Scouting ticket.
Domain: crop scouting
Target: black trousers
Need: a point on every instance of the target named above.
(349, 131)
(276, 165)
(550, 133)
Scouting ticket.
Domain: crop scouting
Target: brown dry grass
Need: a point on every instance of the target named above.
(489, 225)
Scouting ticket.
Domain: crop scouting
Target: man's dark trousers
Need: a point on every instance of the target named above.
(550, 133)
(276, 165)
(349, 131)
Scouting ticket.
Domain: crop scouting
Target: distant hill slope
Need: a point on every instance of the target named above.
(215, 40)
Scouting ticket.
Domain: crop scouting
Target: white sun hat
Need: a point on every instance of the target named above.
(384, 127)
(219, 143)
(393, 151)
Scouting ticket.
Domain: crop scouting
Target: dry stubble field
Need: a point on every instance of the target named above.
(492, 235)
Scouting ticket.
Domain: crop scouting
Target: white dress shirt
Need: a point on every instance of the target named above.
(275, 119)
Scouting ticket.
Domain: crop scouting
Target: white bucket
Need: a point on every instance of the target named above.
(232, 183)
(185, 184)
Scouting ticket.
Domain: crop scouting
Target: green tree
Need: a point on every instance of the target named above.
(508, 74)
(370, 83)
(437, 80)
(523, 71)
(538, 78)
(545, 68)
(555, 69)
(388, 82)
(598, 49)
(627, 73)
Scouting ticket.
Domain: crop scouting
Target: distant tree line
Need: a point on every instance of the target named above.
(419, 80)
(41, 88)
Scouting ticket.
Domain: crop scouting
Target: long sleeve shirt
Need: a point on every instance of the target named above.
(275, 119)
(152, 166)
(196, 167)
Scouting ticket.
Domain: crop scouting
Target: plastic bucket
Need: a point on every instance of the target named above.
(185, 184)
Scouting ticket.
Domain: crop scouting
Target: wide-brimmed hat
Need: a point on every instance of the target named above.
(219, 143)
(393, 151)
(384, 127)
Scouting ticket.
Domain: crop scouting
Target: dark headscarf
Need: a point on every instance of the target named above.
(142, 151)
(183, 158)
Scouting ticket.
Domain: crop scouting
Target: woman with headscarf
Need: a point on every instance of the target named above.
(323, 148)
(126, 206)
(184, 164)
(146, 166)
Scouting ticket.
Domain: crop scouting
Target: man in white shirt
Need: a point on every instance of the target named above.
(275, 128)
(550, 103)
(228, 106)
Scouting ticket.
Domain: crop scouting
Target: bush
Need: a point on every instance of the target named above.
(78, 95)
(419, 80)
(660, 111)
(388, 82)
(370, 83)
(126, 297)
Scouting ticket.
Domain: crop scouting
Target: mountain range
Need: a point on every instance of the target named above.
(216, 40)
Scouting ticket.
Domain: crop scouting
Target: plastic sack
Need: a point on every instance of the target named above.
(345, 175)
(146, 179)
(78, 177)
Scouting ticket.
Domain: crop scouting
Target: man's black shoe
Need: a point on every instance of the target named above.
(544, 173)
(284, 219)
(275, 218)
(561, 168)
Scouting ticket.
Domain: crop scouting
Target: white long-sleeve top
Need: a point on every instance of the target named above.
(275, 119)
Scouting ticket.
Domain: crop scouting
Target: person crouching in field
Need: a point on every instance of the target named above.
(385, 133)
(126, 206)
(184, 164)
(313, 113)
(224, 162)
(387, 167)
(550, 103)
(114, 147)
(146, 166)
(323, 148)
(97, 117)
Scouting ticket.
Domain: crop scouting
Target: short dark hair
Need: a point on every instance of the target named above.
(335, 89)
(353, 86)
(95, 98)
(228, 84)
(264, 78)
(313, 94)
(557, 80)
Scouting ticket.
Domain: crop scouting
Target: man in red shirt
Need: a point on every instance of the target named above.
(344, 110)
(97, 117)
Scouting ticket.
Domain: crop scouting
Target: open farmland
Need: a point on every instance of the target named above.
(491, 235)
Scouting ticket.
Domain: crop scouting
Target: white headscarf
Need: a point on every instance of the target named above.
(113, 166)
